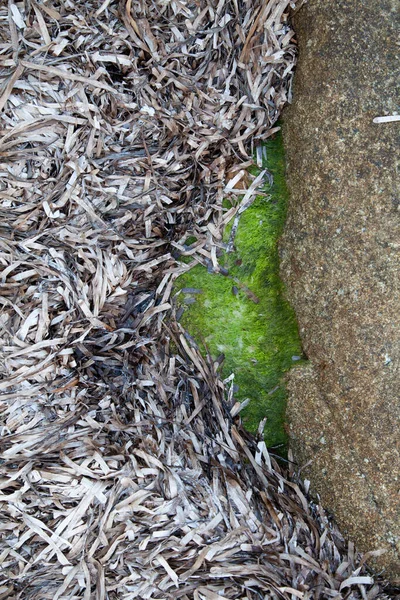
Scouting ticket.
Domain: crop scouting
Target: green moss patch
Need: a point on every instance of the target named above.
(244, 315)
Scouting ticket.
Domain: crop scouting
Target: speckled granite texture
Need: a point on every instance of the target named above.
(341, 264)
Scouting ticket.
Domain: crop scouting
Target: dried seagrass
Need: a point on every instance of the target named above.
(124, 470)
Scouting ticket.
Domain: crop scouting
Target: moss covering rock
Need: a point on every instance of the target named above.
(244, 315)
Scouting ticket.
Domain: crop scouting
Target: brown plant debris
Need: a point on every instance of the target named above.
(124, 469)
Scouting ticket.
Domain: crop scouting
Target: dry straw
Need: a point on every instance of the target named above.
(124, 472)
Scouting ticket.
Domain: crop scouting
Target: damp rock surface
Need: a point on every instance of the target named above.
(340, 260)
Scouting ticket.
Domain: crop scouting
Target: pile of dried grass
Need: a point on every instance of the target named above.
(124, 471)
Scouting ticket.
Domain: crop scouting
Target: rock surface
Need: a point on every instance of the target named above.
(341, 264)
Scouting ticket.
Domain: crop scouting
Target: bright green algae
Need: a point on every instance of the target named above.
(259, 340)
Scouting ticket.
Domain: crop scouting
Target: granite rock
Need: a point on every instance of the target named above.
(340, 260)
